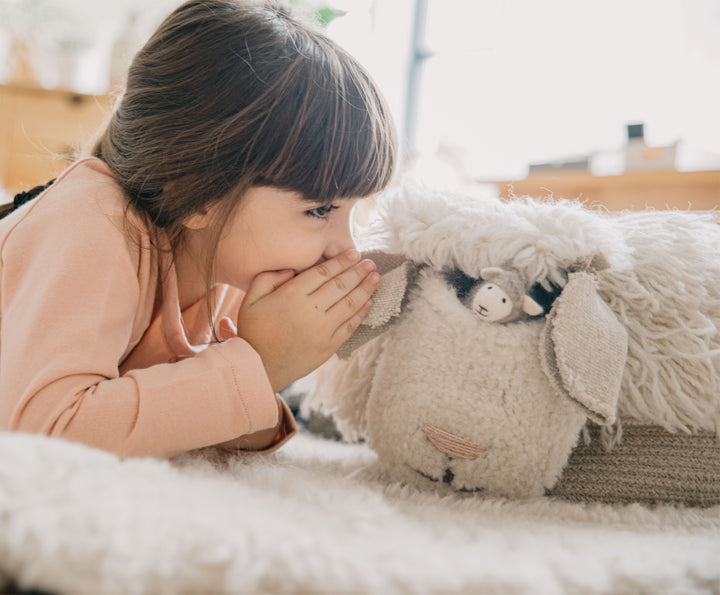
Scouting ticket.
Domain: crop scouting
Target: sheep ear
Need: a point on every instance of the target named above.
(531, 307)
(490, 272)
(591, 263)
(388, 300)
(583, 348)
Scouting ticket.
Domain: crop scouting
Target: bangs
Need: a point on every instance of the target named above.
(332, 133)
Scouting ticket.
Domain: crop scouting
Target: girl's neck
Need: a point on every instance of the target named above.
(189, 267)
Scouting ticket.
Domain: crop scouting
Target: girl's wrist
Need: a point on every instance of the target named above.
(261, 439)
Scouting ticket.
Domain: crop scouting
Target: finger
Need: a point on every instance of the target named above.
(226, 329)
(333, 290)
(349, 326)
(318, 275)
(265, 283)
(356, 299)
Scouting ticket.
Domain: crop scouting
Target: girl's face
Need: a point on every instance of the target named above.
(275, 229)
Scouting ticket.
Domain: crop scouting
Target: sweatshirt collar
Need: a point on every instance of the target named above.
(186, 332)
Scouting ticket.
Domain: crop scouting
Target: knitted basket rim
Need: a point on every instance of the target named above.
(648, 465)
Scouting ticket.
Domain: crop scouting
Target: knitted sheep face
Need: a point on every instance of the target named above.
(503, 432)
(481, 406)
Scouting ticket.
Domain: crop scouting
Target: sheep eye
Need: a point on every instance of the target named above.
(504, 300)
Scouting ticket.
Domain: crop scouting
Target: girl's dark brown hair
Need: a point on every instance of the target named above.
(229, 94)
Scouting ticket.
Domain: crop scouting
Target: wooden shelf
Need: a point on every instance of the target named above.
(41, 130)
(663, 189)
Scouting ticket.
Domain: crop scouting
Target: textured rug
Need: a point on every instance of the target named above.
(318, 517)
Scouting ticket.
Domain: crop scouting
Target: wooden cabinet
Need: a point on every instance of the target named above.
(41, 130)
(662, 189)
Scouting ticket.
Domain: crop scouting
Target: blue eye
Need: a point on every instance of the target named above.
(321, 212)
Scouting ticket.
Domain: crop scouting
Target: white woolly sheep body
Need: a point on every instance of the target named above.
(439, 364)
(669, 302)
(663, 282)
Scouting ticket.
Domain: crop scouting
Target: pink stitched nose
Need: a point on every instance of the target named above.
(452, 445)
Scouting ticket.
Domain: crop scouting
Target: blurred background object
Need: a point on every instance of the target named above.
(484, 93)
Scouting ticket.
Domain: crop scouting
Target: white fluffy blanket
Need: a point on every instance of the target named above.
(318, 517)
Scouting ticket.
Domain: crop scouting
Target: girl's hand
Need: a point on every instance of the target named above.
(297, 323)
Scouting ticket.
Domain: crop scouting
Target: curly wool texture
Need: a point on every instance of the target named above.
(669, 303)
(540, 239)
(319, 517)
(663, 282)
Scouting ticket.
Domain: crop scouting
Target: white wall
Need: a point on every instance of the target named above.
(521, 81)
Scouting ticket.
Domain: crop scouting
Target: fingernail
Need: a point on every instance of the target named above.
(368, 265)
(352, 254)
(374, 278)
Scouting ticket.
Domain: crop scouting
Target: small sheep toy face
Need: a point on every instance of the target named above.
(499, 296)
(491, 303)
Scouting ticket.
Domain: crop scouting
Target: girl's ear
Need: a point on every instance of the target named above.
(199, 219)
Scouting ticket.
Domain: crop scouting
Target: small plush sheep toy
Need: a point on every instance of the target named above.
(506, 334)
(498, 296)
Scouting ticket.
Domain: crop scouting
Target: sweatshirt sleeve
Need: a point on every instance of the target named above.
(70, 293)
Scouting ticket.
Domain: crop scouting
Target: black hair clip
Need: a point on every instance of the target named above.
(22, 197)
(26, 195)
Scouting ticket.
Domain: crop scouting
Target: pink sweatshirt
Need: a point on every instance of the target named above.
(93, 346)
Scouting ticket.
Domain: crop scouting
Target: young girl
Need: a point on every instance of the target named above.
(157, 296)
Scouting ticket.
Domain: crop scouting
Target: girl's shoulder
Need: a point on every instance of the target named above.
(85, 202)
(85, 192)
